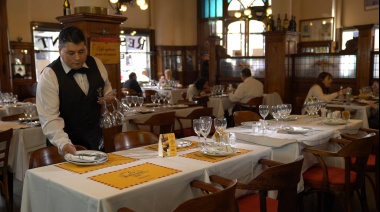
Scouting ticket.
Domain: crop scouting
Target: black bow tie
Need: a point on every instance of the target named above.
(80, 71)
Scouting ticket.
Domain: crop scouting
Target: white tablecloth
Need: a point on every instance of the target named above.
(287, 147)
(7, 110)
(23, 143)
(175, 93)
(219, 105)
(362, 111)
(51, 188)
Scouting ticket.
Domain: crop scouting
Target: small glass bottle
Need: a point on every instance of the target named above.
(341, 96)
(279, 27)
(66, 8)
(286, 23)
(348, 96)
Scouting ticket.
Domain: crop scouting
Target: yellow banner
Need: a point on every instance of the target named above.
(106, 49)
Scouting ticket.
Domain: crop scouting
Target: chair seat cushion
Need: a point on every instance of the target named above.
(371, 160)
(252, 203)
(336, 175)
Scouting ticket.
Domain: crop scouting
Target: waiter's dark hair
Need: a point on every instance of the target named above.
(71, 34)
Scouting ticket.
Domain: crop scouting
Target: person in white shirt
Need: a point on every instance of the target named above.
(248, 89)
(320, 89)
(70, 94)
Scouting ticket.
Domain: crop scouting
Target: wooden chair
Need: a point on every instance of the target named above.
(133, 139)
(373, 159)
(214, 199)
(165, 121)
(6, 177)
(279, 176)
(252, 104)
(30, 99)
(47, 156)
(299, 104)
(242, 116)
(14, 117)
(128, 92)
(195, 114)
(201, 100)
(338, 181)
(148, 94)
(109, 136)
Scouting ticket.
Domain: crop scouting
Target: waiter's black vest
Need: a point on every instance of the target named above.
(81, 113)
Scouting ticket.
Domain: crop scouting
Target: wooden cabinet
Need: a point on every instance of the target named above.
(22, 69)
(182, 60)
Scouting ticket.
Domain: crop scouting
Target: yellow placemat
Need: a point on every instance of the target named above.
(134, 175)
(154, 147)
(113, 160)
(200, 156)
(5, 126)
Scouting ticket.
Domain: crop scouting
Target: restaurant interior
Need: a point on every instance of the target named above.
(285, 44)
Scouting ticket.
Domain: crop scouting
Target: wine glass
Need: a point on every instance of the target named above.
(140, 100)
(134, 100)
(167, 97)
(28, 109)
(117, 114)
(220, 125)
(196, 127)
(205, 127)
(106, 119)
(158, 98)
(153, 98)
(264, 111)
(129, 101)
(276, 113)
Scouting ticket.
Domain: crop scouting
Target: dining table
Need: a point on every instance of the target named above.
(220, 104)
(136, 178)
(12, 109)
(361, 107)
(175, 93)
(25, 139)
(288, 138)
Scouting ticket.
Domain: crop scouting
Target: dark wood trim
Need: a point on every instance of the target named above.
(5, 70)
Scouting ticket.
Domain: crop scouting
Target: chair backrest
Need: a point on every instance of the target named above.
(195, 114)
(133, 139)
(128, 91)
(13, 117)
(242, 116)
(5, 140)
(201, 100)
(216, 199)
(272, 99)
(30, 99)
(47, 156)
(299, 104)
(109, 136)
(165, 121)
(148, 94)
(283, 178)
(253, 103)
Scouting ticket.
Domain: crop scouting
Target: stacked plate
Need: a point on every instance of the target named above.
(219, 151)
(87, 157)
(298, 130)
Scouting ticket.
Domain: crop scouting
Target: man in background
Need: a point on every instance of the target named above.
(132, 83)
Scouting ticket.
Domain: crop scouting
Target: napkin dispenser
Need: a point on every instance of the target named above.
(167, 145)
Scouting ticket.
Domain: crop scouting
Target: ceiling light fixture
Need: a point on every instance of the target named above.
(253, 11)
(122, 5)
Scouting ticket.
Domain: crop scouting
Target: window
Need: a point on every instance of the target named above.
(348, 34)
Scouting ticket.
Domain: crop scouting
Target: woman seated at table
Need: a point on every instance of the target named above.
(199, 88)
(320, 89)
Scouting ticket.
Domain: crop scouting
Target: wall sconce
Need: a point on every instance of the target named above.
(122, 5)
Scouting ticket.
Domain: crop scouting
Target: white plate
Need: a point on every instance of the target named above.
(151, 105)
(143, 111)
(248, 123)
(182, 144)
(219, 151)
(291, 118)
(103, 157)
(334, 122)
(298, 130)
(180, 106)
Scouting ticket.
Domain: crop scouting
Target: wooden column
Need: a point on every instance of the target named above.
(278, 76)
(96, 25)
(5, 68)
(363, 55)
(213, 42)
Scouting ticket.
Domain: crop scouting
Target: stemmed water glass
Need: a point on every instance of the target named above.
(196, 127)
(220, 125)
(264, 111)
(117, 114)
(28, 109)
(205, 127)
(140, 100)
(134, 100)
(107, 119)
(153, 98)
(276, 113)
(167, 97)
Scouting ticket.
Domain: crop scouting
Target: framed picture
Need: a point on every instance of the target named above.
(320, 29)
(371, 4)
(19, 71)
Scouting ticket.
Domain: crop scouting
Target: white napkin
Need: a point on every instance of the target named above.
(81, 158)
(336, 115)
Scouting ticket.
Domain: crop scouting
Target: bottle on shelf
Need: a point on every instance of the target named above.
(66, 8)
(341, 96)
(294, 24)
(278, 24)
(348, 96)
(291, 24)
(286, 23)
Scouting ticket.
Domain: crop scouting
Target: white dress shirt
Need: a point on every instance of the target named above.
(47, 101)
(247, 90)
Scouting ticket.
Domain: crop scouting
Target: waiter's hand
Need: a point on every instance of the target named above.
(108, 98)
(69, 148)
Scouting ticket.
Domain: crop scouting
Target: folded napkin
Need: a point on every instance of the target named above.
(82, 158)
(336, 114)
